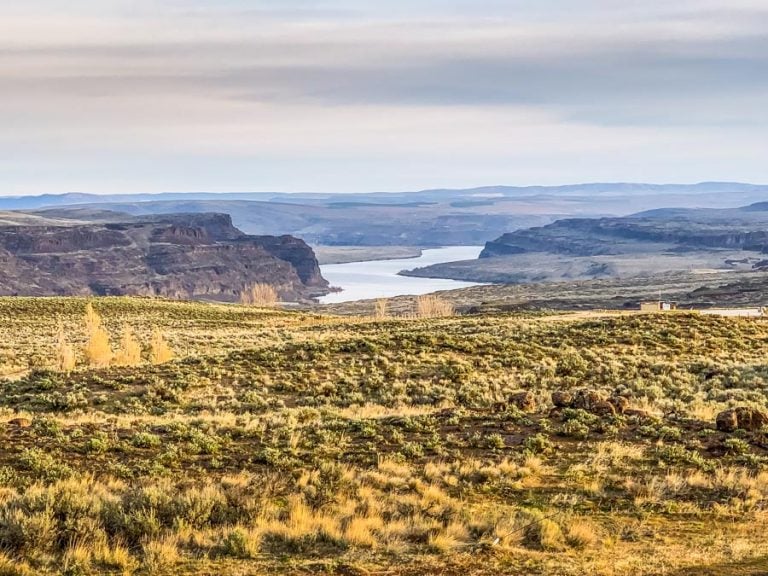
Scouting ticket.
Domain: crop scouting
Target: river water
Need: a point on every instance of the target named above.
(379, 279)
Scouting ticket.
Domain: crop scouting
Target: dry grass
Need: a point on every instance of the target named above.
(581, 534)
(431, 306)
(13, 567)
(260, 295)
(160, 552)
(113, 556)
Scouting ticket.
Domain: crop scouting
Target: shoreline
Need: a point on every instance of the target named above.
(330, 255)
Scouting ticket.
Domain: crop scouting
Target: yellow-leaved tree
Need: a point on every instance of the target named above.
(160, 351)
(380, 309)
(98, 352)
(65, 354)
(263, 295)
(129, 353)
(430, 306)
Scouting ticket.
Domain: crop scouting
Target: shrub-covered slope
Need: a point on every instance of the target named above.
(296, 443)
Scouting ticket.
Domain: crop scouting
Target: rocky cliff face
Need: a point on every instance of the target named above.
(613, 236)
(175, 256)
(648, 244)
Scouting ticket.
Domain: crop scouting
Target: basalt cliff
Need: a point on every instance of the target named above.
(190, 256)
(646, 244)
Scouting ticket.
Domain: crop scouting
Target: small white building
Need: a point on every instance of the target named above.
(657, 306)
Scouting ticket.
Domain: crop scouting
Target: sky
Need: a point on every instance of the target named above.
(113, 96)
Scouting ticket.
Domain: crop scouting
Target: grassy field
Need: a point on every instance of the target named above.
(289, 442)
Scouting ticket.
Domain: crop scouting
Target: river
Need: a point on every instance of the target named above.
(379, 279)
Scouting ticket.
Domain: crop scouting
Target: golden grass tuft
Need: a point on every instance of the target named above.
(302, 523)
(581, 534)
(361, 531)
(546, 534)
(113, 556)
(160, 553)
(448, 541)
(12, 567)
(431, 306)
(78, 558)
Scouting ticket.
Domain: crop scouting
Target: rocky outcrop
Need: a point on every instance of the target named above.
(20, 422)
(612, 236)
(619, 403)
(593, 401)
(562, 399)
(175, 256)
(741, 418)
(524, 401)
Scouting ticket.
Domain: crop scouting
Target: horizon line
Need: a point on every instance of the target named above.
(410, 191)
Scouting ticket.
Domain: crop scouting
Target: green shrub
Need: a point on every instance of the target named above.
(43, 465)
(574, 429)
(736, 446)
(146, 440)
(98, 444)
(496, 441)
(537, 444)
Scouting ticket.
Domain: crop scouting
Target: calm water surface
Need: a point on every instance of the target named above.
(379, 279)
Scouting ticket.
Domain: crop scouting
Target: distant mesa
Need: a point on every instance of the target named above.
(189, 256)
(644, 244)
(664, 229)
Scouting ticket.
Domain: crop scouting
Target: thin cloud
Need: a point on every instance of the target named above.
(454, 85)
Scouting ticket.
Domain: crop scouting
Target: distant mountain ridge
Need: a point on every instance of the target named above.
(603, 188)
(438, 217)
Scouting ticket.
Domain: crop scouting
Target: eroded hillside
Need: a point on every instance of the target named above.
(647, 244)
(177, 256)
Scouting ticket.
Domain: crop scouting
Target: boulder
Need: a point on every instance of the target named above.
(592, 401)
(636, 413)
(602, 408)
(585, 399)
(562, 399)
(20, 422)
(620, 403)
(524, 401)
(741, 418)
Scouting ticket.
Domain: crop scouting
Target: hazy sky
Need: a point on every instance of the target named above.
(342, 95)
